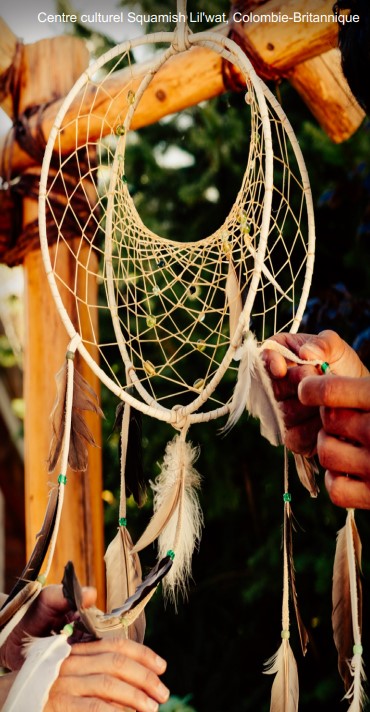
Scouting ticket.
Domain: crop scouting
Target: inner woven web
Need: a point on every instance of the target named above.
(177, 303)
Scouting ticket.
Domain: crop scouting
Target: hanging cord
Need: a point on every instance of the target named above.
(62, 478)
(181, 41)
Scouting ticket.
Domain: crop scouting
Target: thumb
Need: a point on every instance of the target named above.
(327, 346)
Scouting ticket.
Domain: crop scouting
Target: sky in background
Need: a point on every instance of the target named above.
(22, 18)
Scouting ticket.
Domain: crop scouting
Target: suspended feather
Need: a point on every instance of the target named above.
(33, 566)
(177, 520)
(13, 613)
(307, 470)
(135, 480)
(285, 688)
(123, 577)
(233, 296)
(44, 657)
(341, 597)
(84, 399)
(347, 612)
(145, 588)
(253, 391)
(303, 634)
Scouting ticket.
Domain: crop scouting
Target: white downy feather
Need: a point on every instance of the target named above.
(253, 391)
(177, 520)
(44, 657)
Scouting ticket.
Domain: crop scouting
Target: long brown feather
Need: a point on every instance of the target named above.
(341, 595)
(303, 634)
(307, 469)
(84, 399)
(33, 566)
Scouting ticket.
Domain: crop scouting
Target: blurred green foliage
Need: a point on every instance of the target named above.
(217, 641)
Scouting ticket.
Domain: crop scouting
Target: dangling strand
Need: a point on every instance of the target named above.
(123, 569)
(285, 688)
(347, 612)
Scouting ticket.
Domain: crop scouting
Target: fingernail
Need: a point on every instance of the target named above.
(152, 706)
(163, 692)
(160, 663)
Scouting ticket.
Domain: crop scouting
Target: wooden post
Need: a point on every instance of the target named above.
(48, 69)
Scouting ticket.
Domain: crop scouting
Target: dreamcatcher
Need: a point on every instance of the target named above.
(211, 304)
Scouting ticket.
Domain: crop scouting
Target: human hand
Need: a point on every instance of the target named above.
(49, 612)
(303, 421)
(343, 444)
(113, 673)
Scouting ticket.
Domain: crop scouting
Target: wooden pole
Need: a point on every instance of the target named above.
(48, 69)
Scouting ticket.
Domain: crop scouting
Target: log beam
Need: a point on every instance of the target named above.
(197, 75)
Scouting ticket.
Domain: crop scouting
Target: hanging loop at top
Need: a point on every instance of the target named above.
(181, 40)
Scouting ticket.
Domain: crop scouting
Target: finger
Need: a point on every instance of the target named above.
(339, 456)
(136, 651)
(351, 424)
(120, 666)
(302, 439)
(110, 689)
(295, 413)
(347, 492)
(58, 702)
(275, 363)
(327, 346)
(52, 598)
(287, 387)
(336, 392)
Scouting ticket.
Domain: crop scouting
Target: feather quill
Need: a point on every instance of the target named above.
(84, 399)
(177, 519)
(44, 657)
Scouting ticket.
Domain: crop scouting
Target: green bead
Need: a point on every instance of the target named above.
(120, 130)
(171, 554)
(42, 579)
(62, 480)
(357, 649)
(285, 634)
(287, 497)
(68, 629)
(201, 345)
(70, 355)
(325, 367)
(130, 97)
(122, 521)
(151, 321)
